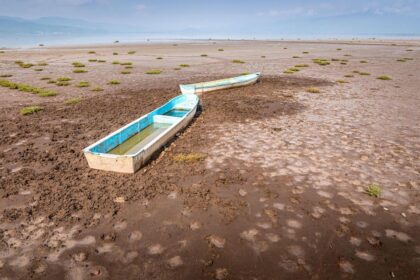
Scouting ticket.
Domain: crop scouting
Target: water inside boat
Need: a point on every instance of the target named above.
(176, 113)
(138, 141)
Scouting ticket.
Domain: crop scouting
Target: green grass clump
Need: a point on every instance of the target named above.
(305, 52)
(129, 67)
(92, 60)
(38, 69)
(177, 68)
(73, 101)
(26, 65)
(63, 79)
(313, 90)
(364, 73)
(349, 76)
(221, 50)
(91, 52)
(291, 70)
(62, 83)
(27, 88)
(409, 50)
(343, 63)
(83, 84)
(153, 72)
(384, 78)
(45, 78)
(6, 75)
(321, 61)
(115, 53)
(204, 55)
(116, 62)
(335, 59)
(101, 60)
(52, 82)
(295, 56)
(8, 84)
(30, 110)
(301, 65)
(189, 157)
(244, 73)
(18, 62)
(113, 82)
(97, 89)
(131, 52)
(339, 49)
(342, 81)
(42, 64)
(78, 64)
(125, 72)
(159, 57)
(238, 61)
(126, 63)
(47, 93)
(348, 55)
(79, 71)
(363, 61)
(373, 190)
(184, 65)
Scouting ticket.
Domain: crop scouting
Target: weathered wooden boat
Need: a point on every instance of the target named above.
(130, 147)
(221, 84)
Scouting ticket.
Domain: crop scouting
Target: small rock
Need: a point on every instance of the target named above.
(242, 192)
(221, 273)
(175, 262)
(135, 236)
(155, 249)
(217, 241)
(195, 225)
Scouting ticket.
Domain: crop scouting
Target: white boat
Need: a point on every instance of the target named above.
(130, 147)
(221, 84)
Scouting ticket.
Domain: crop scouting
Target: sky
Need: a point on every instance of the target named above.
(258, 17)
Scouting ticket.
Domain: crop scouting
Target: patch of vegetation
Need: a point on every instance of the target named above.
(189, 157)
(204, 55)
(339, 49)
(313, 90)
(159, 57)
(83, 84)
(295, 56)
(101, 61)
(115, 53)
(356, 71)
(301, 65)
(126, 63)
(409, 50)
(42, 64)
(6, 75)
(153, 72)
(125, 72)
(30, 110)
(131, 52)
(363, 61)
(335, 59)
(52, 82)
(113, 82)
(128, 67)
(263, 56)
(238, 61)
(342, 81)
(73, 101)
(184, 65)
(221, 50)
(97, 89)
(116, 62)
(347, 55)
(25, 65)
(27, 88)
(177, 68)
(321, 61)
(348, 76)
(63, 79)
(91, 52)
(62, 83)
(38, 69)
(45, 78)
(92, 60)
(18, 62)
(305, 52)
(79, 71)
(374, 190)
(244, 73)
(343, 63)
(291, 70)
(364, 73)
(78, 64)
(384, 78)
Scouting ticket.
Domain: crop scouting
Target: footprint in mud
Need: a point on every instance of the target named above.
(365, 256)
(221, 273)
(155, 249)
(175, 262)
(195, 225)
(135, 236)
(216, 241)
(242, 192)
(249, 235)
(119, 226)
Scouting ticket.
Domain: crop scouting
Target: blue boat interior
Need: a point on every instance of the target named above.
(132, 138)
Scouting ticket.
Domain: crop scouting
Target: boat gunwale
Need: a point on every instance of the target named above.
(202, 85)
(108, 155)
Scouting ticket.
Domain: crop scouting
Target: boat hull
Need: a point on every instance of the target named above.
(98, 156)
(240, 81)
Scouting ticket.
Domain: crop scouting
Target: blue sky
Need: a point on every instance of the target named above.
(218, 16)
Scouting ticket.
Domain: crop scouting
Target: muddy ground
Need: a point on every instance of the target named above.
(278, 194)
